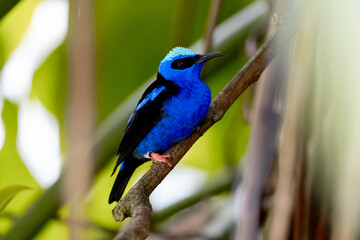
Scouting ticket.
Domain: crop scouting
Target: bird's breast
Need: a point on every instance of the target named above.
(189, 106)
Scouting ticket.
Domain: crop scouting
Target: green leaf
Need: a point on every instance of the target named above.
(8, 193)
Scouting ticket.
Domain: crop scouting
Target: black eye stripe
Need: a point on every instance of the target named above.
(183, 63)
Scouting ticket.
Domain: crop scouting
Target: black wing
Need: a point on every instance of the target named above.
(146, 116)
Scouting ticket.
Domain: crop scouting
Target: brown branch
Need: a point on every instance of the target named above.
(138, 195)
(141, 211)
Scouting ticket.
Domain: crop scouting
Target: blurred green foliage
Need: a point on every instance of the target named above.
(131, 38)
(13, 26)
(12, 169)
(8, 193)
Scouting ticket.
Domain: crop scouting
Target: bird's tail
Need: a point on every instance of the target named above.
(123, 177)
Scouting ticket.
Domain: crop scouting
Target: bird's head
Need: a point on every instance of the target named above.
(181, 64)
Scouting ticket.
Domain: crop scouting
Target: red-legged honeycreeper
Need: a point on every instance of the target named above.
(168, 111)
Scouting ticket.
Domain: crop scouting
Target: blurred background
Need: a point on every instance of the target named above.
(71, 73)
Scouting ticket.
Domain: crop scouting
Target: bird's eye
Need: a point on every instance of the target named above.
(180, 64)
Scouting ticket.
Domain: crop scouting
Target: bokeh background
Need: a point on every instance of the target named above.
(130, 39)
(283, 163)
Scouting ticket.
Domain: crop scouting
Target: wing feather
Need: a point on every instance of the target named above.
(147, 114)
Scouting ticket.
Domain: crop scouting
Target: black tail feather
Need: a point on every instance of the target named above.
(121, 181)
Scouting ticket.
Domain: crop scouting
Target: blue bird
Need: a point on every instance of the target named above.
(168, 111)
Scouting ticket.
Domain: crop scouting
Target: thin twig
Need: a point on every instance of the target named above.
(81, 112)
(212, 20)
(139, 193)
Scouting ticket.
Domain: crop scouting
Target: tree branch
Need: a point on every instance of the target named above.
(140, 209)
(138, 195)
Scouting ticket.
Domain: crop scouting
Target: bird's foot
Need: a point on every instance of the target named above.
(155, 157)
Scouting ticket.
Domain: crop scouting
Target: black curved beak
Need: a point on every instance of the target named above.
(208, 56)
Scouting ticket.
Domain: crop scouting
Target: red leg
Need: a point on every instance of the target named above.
(160, 158)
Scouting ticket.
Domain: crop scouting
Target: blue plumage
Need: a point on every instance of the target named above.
(169, 110)
(150, 97)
